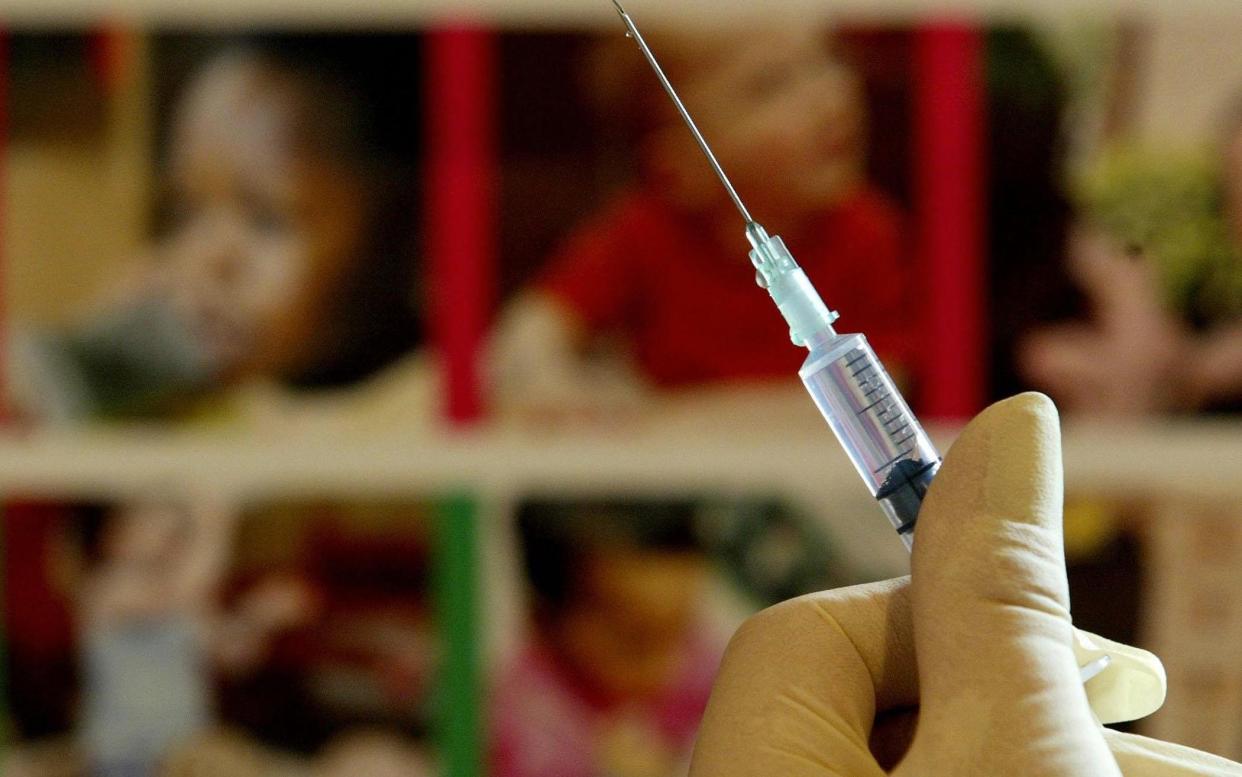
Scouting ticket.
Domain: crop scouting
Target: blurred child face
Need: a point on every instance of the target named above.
(265, 224)
(147, 536)
(785, 120)
(626, 628)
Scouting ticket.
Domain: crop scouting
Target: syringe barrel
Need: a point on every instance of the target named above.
(882, 437)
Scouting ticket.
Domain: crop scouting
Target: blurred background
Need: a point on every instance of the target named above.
(390, 393)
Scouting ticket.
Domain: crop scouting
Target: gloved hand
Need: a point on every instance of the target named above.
(966, 668)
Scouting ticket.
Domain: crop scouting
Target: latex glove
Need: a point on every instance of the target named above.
(967, 668)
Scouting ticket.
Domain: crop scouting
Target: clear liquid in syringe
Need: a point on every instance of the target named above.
(882, 437)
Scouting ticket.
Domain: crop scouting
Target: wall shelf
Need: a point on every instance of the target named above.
(552, 13)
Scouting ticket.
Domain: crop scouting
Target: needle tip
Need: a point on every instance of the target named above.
(620, 10)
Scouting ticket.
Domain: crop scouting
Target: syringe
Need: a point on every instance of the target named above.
(854, 392)
(850, 386)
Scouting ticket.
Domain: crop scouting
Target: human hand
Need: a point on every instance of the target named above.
(1127, 361)
(275, 605)
(968, 668)
(373, 753)
(541, 377)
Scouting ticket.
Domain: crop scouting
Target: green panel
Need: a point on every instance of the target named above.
(461, 740)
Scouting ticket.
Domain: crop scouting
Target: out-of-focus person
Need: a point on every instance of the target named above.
(151, 632)
(368, 657)
(285, 253)
(661, 271)
(619, 663)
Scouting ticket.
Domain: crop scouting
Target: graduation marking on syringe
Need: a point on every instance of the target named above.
(873, 404)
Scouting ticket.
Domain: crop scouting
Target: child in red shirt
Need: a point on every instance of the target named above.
(664, 268)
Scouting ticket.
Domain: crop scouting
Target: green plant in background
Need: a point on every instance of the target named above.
(1171, 206)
